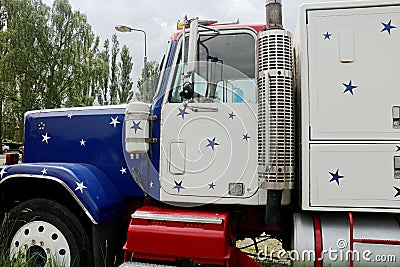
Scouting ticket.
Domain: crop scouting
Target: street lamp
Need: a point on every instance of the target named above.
(123, 28)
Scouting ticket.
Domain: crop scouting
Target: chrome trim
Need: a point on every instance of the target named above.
(122, 106)
(141, 140)
(199, 108)
(55, 179)
(139, 116)
(175, 218)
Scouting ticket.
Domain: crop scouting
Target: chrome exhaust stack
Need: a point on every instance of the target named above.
(275, 110)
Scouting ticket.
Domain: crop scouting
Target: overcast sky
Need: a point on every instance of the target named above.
(158, 18)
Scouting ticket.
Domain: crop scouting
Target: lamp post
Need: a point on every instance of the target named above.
(123, 28)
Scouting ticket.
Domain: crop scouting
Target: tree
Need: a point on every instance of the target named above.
(82, 92)
(51, 53)
(125, 81)
(104, 72)
(95, 82)
(150, 84)
(114, 70)
(21, 67)
(3, 50)
(48, 57)
(70, 52)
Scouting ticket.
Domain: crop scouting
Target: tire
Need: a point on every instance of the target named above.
(42, 230)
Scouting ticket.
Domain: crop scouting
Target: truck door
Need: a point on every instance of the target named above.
(209, 142)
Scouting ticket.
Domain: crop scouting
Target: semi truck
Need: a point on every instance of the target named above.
(252, 130)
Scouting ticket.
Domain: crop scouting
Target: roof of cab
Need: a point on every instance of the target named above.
(233, 25)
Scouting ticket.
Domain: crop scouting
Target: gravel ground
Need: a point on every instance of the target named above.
(268, 249)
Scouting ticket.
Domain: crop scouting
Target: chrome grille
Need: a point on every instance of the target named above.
(276, 109)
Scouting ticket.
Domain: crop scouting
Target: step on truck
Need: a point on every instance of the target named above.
(252, 130)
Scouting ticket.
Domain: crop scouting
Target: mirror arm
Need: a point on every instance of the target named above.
(185, 22)
(193, 45)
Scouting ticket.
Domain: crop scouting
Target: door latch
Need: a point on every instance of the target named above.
(396, 117)
(396, 167)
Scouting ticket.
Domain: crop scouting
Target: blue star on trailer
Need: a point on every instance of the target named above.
(136, 126)
(397, 148)
(182, 113)
(211, 186)
(336, 176)
(212, 143)
(398, 191)
(349, 87)
(246, 137)
(231, 115)
(178, 186)
(387, 26)
(327, 35)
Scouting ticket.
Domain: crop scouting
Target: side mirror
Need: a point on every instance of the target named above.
(192, 53)
(187, 91)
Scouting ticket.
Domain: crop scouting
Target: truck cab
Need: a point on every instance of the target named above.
(215, 125)
(249, 132)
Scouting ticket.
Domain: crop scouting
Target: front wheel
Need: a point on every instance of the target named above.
(42, 232)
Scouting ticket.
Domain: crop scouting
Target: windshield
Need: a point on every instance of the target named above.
(225, 71)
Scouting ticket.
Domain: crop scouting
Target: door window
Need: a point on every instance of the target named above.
(225, 71)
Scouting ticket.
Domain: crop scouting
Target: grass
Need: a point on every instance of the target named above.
(21, 261)
(266, 244)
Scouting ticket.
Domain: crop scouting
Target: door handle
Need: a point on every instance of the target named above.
(396, 117)
(196, 108)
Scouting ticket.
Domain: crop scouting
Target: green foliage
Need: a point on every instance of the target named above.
(125, 83)
(20, 261)
(146, 89)
(50, 58)
(114, 70)
(103, 72)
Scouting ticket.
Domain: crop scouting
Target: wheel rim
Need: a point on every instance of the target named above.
(40, 243)
(37, 256)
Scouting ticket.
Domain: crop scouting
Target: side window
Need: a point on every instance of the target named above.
(237, 90)
(177, 84)
(225, 71)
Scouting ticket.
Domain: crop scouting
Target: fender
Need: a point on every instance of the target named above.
(89, 186)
